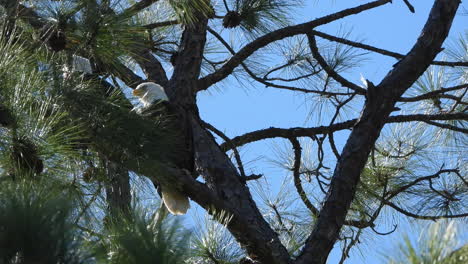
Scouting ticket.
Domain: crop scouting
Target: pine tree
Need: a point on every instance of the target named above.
(78, 161)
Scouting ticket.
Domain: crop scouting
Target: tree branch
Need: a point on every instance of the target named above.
(422, 217)
(433, 94)
(410, 7)
(403, 188)
(380, 51)
(279, 34)
(274, 132)
(137, 7)
(379, 104)
(152, 68)
(297, 176)
(161, 24)
(234, 149)
(329, 70)
(247, 224)
(447, 126)
(222, 179)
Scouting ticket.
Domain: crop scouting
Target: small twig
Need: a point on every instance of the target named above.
(403, 188)
(433, 94)
(252, 177)
(297, 176)
(347, 249)
(331, 139)
(447, 126)
(233, 147)
(385, 233)
(329, 70)
(423, 217)
(280, 220)
(446, 195)
(226, 5)
(410, 7)
(381, 51)
(161, 24)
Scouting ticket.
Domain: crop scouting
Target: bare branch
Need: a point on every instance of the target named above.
(422, 217)
(347, 248)
(447, 126)
(380, 51)
(297, 176)
(273, 132)
(410, 7)
(264, 80)
(433, 94)
(329, 70)
(403, 188)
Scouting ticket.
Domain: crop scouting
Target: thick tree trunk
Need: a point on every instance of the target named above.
(228, 192)
(379, 104)
(247, 224)
(224, 190)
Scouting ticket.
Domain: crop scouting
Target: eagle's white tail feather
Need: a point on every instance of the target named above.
(175, 202)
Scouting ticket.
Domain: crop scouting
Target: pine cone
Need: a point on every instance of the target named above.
(55, 38)
(232, 19)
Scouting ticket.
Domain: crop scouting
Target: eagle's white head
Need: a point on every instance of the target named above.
(150, 92)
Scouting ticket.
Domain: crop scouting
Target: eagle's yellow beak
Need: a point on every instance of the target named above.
(138, 92)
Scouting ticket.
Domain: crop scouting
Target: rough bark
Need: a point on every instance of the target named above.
(247, 224)
(222, 179)
(379, 104)
(224, 190)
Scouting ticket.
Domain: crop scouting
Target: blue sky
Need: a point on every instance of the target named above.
(236, 109)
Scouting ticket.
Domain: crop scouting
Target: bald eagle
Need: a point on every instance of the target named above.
(150, 93)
